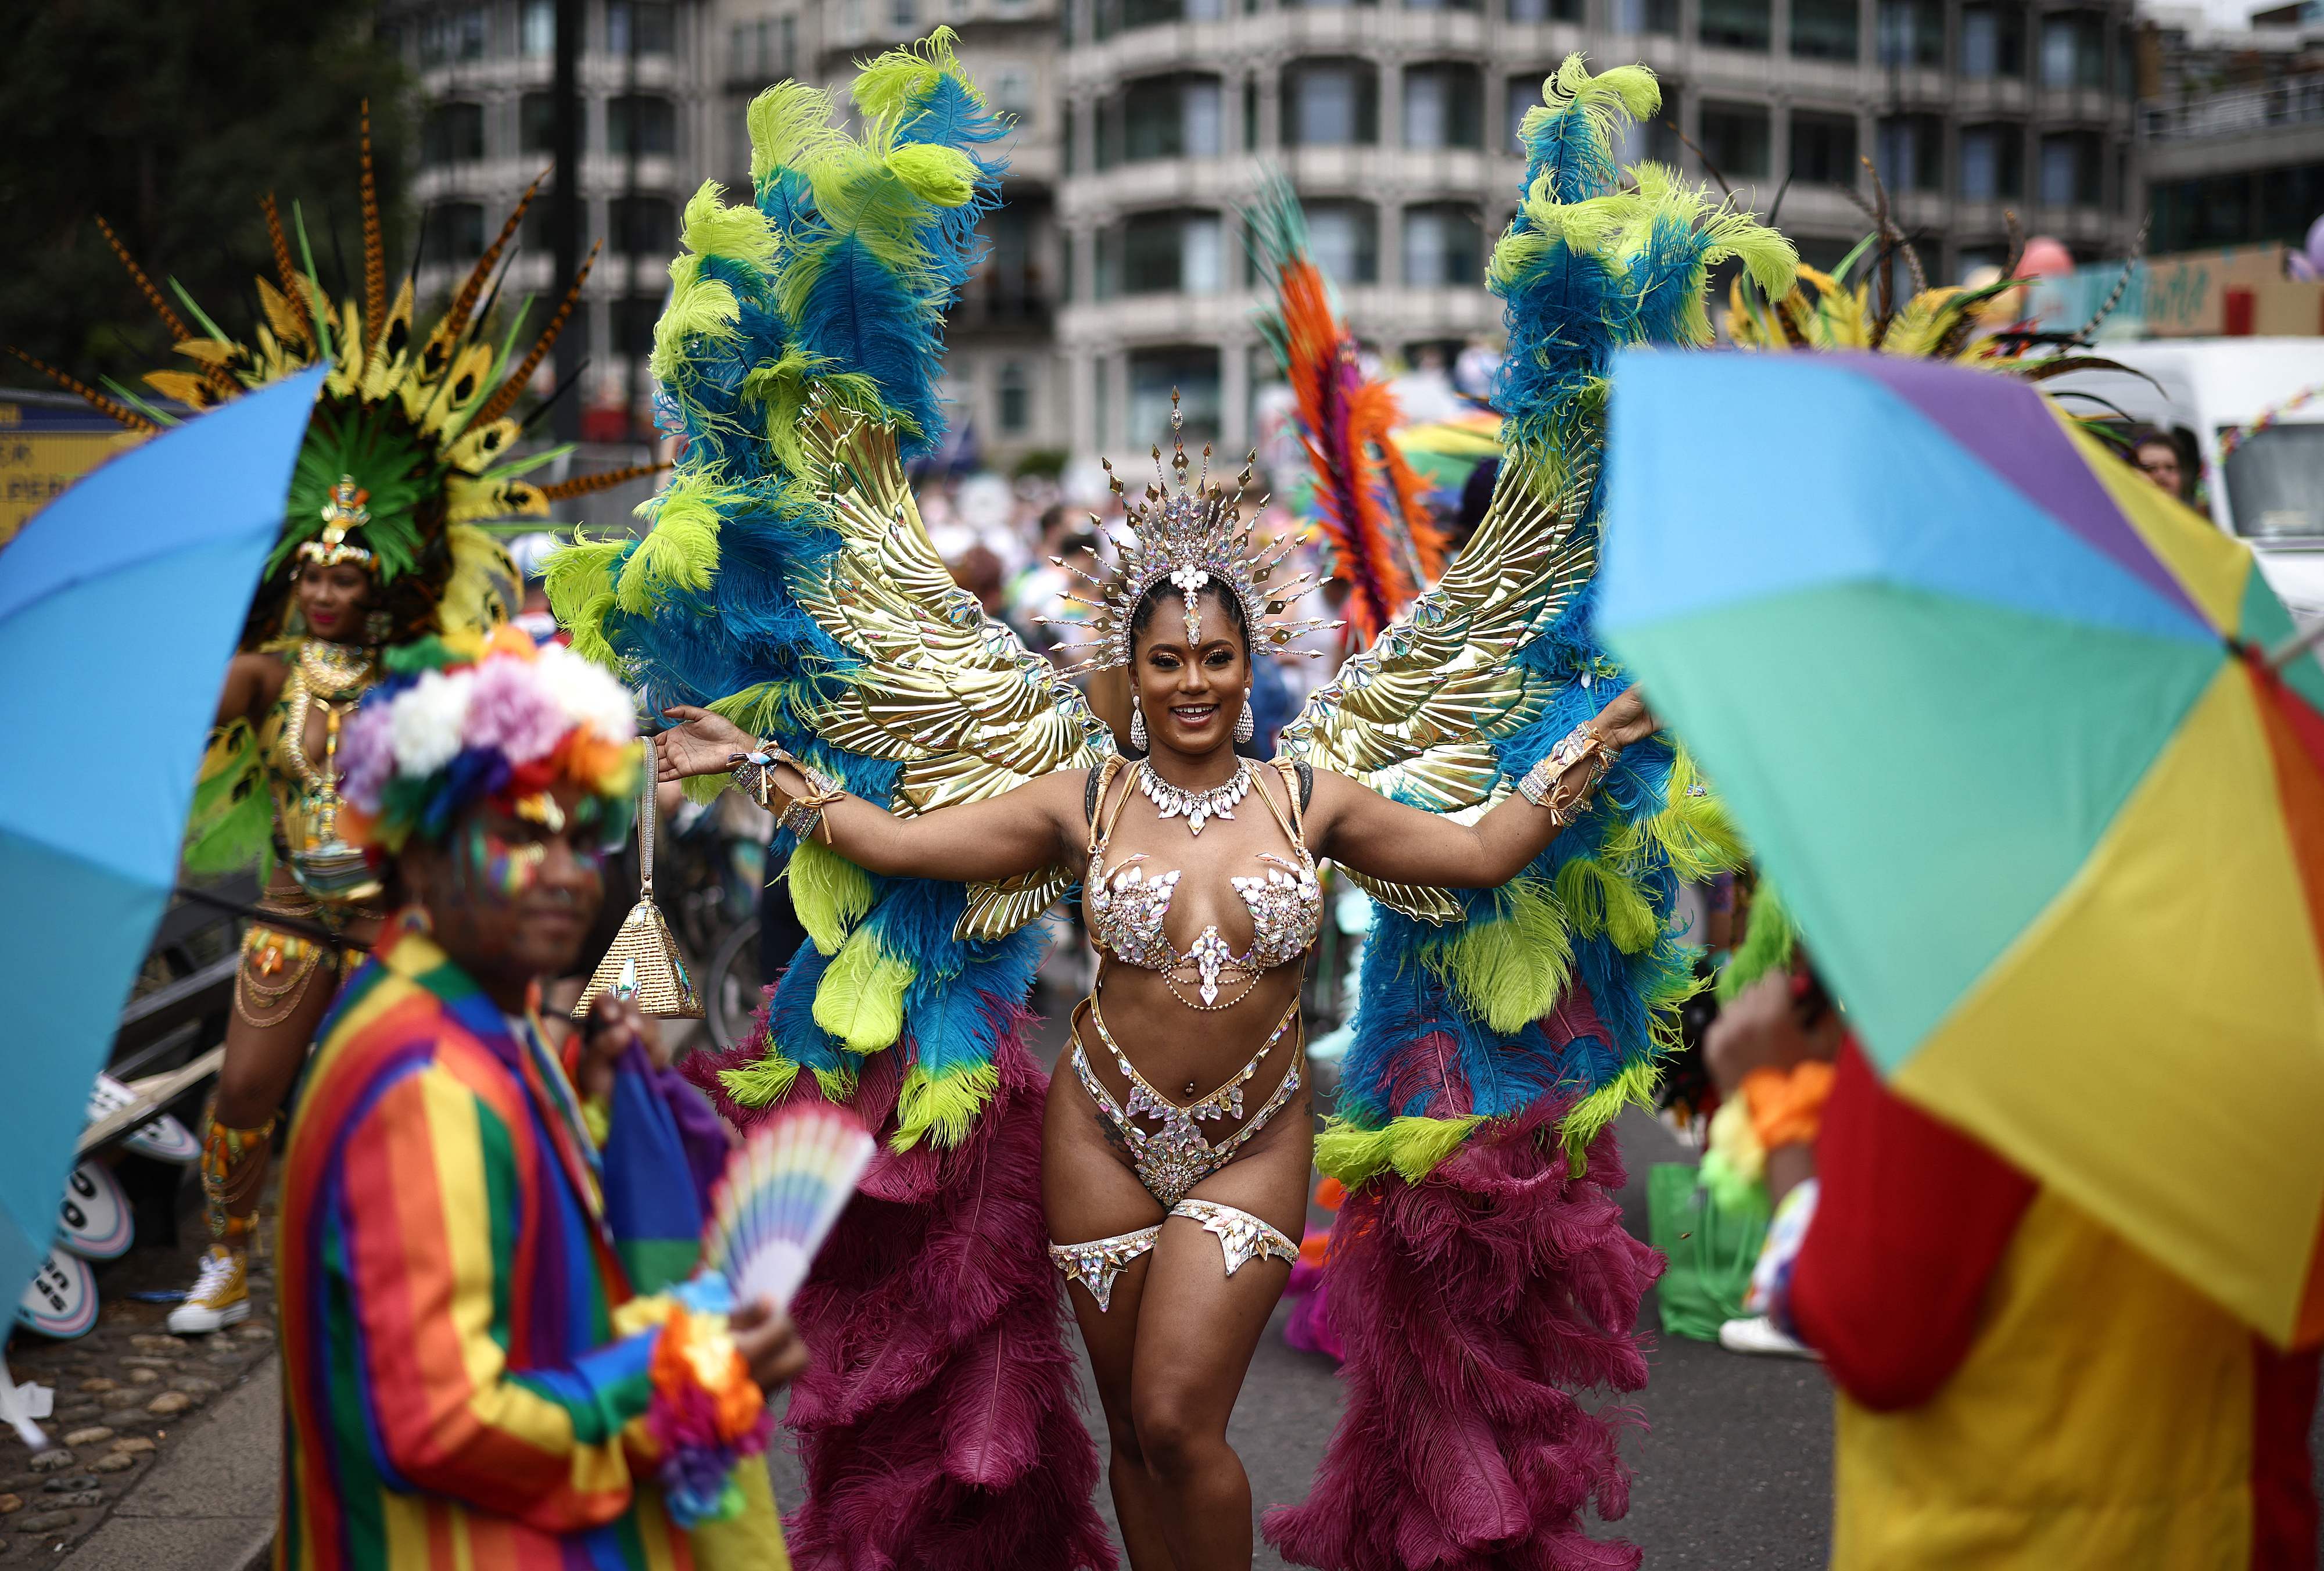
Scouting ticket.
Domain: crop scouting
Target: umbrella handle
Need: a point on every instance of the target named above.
(2292, 648)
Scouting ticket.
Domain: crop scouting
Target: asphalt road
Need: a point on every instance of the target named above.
(1733, 1469)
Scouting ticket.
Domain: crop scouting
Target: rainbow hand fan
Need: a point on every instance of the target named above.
(781, 1192)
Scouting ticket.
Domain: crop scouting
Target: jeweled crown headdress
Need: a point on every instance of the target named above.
(1191, 537)
(344, 511)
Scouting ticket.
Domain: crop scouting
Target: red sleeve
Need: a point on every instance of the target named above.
(1912, 1216)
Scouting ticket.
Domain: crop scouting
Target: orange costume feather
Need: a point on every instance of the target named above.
(1369, 501)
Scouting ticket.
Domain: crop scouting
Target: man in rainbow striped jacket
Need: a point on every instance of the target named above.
(478, 1369)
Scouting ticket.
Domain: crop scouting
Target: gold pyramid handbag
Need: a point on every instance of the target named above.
(643, 964)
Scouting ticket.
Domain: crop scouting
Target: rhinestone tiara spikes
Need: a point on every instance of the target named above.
(1193, 537)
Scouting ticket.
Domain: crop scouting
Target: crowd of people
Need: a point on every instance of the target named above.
(960, 698)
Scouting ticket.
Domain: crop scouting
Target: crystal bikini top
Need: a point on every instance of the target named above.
(1127, 910)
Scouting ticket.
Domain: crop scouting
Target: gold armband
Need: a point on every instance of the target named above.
(1565, 778)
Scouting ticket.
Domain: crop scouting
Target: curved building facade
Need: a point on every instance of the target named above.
(1396, 122)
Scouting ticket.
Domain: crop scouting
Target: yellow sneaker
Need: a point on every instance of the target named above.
(220, 1294)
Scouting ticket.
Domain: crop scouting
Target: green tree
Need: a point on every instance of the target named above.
(171, 121)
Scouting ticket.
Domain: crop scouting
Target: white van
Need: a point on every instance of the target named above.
(2270, 490)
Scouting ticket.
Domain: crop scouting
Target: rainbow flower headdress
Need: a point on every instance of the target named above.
(465, 717)
(1193, 537)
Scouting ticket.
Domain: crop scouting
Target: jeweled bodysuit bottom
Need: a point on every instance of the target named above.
(1175, 1157)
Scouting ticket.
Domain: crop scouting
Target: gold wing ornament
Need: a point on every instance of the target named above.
(1420, 715)
(939, 686)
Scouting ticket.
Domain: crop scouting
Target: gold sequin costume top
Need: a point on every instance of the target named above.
(331, 678)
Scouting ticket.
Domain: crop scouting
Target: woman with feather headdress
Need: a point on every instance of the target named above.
(407, 448)
(1478, 768)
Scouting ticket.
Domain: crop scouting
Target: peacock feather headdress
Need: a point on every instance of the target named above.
(411, 443)
(1191, 537)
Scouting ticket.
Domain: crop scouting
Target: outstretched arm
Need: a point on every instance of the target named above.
(1357, 827)
(1034, 826)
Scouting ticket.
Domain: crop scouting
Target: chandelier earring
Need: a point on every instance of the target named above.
(1246, 727)
(1136, 724)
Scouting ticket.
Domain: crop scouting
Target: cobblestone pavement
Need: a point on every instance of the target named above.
(123, 1391)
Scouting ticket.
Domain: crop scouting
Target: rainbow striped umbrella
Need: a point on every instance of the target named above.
(1999, 717)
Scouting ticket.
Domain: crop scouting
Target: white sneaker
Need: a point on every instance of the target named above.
(1758, 1334)
(220, 1296)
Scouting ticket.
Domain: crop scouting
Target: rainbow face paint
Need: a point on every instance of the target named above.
(502, 868)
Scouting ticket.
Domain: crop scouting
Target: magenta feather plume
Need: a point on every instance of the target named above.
(938, 1423)
(1471, 1305)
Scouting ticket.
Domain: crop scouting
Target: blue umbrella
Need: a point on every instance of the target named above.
(120, 603)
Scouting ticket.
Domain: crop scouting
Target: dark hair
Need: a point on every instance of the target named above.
(411, 602)
(2151, 436)
(1141, 616)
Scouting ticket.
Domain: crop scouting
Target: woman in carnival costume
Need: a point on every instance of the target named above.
(405, 451)
(487, 1359)
(944, 787)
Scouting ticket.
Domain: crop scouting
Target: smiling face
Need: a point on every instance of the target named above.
(334, 600)
(511, 895)
(1191, 696)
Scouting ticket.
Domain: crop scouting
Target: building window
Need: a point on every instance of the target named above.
(1992, 162)
(1443, 107)
(1114, 16)
(2071, 169)
(638, 27)
(472, 28)
(1911, 154)
(1823, 149)
(1734, 25)
(787, 42)
(453, 132)
(1524, 96)
(2074, 51)
(904, 15)
(1010, 282)
(536, 29)
(641, 123)
(455, 234)
(1444, 5)
(1106, 272)
(1013, 399)
(1192, 372)
(1824, 29)
(1344, 239)
(1912, 32)
(1331, 103)
(1443, 245)
(1539, 10)
(536, 122)
(634, 325)
(1172, 253)
(1735, 140)
(1993, 42)
(1170, 117)
(1656, 16)
(1008, 88)
(642, 226)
